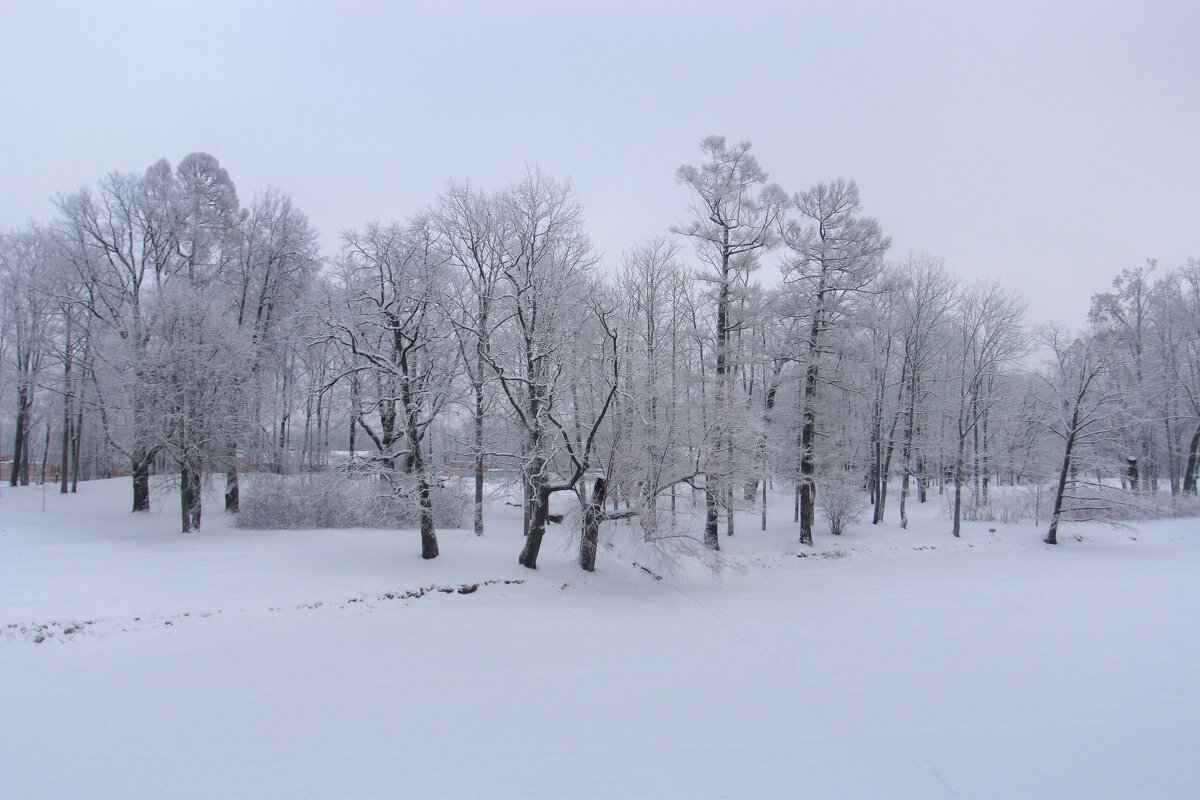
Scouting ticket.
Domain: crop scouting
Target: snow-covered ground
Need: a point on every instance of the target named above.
(883, 663)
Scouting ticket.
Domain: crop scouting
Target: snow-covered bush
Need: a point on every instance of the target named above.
(1114, 504)
(1082, 502)
(674, 549)
(339, 500)
(1005, 504)
(841, 500)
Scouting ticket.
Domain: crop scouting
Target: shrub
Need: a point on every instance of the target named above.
(841, 500)
(1006, 504)
(1082, 502)
(340, 499)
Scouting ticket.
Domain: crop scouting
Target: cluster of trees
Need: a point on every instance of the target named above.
(152, 320)
(156, 324)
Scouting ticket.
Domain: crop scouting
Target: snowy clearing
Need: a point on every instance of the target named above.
(235, 663)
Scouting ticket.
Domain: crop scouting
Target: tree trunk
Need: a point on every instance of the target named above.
(77, 435)
(479, 463)
(233, 495)
(185, 499)
(906, 449)
(1131, 474)
(808, 504)
(232, 487)
(593, 515)
(986, 466)
(539, 509)
(20, 444)
(416, 458)
(808, 460)
(975, 474)
(648, 519)
(429, 543)
(190, 492)
(1189, 471)
(711, 540)
(1052, 534)
(355, 410)
(27, 441)
(958, 471)
(885, 470)
(1171, 461)
(197, 496)
(283, 437)
(764, 497)
(64, 457)
(725, 442)
(45, 455)
(527, 506)
(140, 468)
(876, 451)
(957, 505)
(65, 454)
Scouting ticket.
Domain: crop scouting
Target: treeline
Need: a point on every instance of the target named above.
(157, 324)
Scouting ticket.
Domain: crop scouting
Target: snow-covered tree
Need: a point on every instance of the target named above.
(735, 216)
(129, 243)
(925, 293)
(474, 229)
(987, 337)
(26, 322)
(835, 255)
(389, 320)
(1126, 315)
(274, 263)
(1082, 411)
(546, 298)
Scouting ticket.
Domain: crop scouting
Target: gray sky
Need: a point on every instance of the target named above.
(1047, 145)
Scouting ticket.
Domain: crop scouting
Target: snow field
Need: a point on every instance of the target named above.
(885, 663)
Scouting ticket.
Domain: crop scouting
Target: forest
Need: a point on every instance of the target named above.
(158, 325)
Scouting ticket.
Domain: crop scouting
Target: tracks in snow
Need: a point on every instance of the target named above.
(40, 632)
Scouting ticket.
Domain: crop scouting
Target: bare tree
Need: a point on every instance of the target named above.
(27, 321)
(275, 261)
(126, 243)
(881, 320)
(1082, 410)
(190, 364)
(653, 456)
(925, 296)
(835, 255)
(474, 230)
(1126, 313)
(393, 329)
(546, 297)
(1186, 365)
(735, 217)
(988, 336)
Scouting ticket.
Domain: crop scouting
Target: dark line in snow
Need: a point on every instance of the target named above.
(39, 632)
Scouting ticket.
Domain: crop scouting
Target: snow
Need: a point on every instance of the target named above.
(234, 663)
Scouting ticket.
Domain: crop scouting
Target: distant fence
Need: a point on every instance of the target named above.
(53, 474)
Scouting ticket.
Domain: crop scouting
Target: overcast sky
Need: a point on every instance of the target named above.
(1047, 145)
